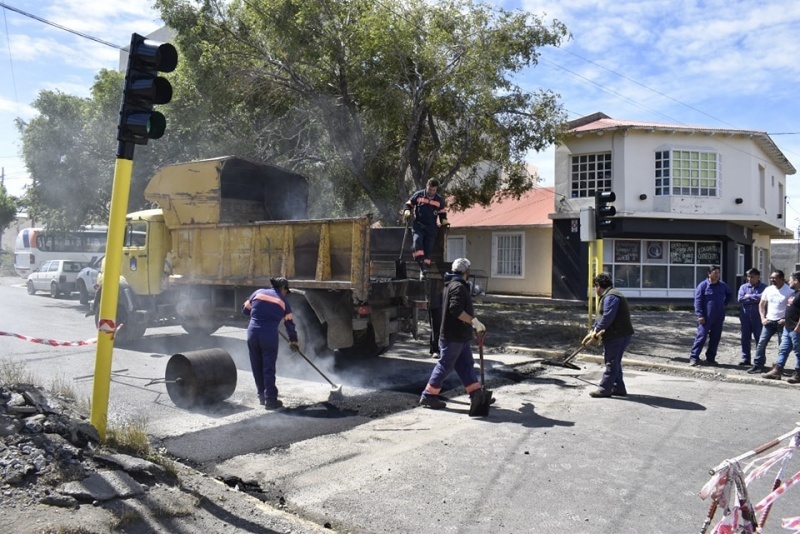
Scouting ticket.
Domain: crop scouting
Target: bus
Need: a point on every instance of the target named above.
(35, 246)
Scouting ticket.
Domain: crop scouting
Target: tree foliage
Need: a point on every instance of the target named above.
(8, 208)
(374, 97)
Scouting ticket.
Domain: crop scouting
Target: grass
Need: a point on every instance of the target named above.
(131, 438)
(12, 372)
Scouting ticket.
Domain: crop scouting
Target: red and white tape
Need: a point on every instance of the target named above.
(51, 342)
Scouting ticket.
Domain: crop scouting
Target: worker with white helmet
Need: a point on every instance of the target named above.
(455, 337)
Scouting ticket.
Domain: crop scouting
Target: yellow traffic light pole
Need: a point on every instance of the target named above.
(137, 124)
(107, 326)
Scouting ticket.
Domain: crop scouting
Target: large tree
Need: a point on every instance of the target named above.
(377, 96)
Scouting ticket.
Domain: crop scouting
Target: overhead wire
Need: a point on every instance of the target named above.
(59, 26)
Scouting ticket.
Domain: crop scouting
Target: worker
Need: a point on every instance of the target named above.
(455, 353)
(267, 308)
(615, 323)
(426, 206)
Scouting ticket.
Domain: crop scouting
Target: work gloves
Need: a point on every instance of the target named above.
(593, 335)
(294, 346)
(444, 223)
(406, 214)
(478, 326)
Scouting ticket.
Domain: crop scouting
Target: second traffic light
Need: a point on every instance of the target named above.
(603, 212)
(144, 88)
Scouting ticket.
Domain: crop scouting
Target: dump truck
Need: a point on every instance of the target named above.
(225, 226)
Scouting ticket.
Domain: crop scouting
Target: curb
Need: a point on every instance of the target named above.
(627, 362)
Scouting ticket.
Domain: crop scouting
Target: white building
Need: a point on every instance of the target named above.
(686, 198)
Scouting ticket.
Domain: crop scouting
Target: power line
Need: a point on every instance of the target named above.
(60, 27)
(10, 61)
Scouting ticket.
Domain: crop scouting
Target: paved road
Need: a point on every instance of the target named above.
(548, 458)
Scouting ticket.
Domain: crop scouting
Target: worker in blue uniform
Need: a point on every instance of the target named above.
(749, 298)
(427, 207)
(710, 299)
(267, 308)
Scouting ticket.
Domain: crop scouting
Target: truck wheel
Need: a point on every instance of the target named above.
(200, 327)
(364, 345)
(84, 295)
(311, 333)
(129, 333)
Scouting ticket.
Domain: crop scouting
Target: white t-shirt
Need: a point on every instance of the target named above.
(776, 301)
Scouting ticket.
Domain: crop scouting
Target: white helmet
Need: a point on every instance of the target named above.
(461, 265)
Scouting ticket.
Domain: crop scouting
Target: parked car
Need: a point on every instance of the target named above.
(56, 276)
(87, 280)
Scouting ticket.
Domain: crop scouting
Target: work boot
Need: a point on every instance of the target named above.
(272, 404)
(795, 378)
(619, 393)
(600, 393)
(775, 374)
(261, 400)
(744, 361)
(756, 370)
(432, 402)
(694, 363)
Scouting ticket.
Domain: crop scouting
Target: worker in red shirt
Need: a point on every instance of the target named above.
(428, 209)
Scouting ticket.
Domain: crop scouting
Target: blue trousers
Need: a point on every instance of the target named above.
(751, 328)
(453, 356)
(769, 330)
(262, 343)
(423, 239)
(613, 349)
(711, 330)
(789, 342)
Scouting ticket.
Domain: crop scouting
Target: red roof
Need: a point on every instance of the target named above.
(532, 209)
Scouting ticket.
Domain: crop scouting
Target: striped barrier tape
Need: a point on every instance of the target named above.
(51, 342)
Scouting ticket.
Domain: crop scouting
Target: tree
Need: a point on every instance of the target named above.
(8, 208)
(381, 95)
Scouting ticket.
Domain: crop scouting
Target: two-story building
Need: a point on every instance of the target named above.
(686, 198)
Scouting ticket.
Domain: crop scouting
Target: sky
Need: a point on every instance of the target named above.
(715, 63)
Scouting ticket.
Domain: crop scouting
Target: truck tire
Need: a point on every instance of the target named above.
(200, 327)
(364, 346)
(311, 333)
(129, 333)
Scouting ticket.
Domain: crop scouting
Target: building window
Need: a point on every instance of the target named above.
(659, 264)
(508, 251)
(590, 173)
(456, 247)
(687, 173)
(740, 260)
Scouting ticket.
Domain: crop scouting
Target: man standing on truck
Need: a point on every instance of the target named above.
(454, 341)
(426, 205)
(267, 308)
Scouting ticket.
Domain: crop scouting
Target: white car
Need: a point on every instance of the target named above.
(56, 276)
(87, 280)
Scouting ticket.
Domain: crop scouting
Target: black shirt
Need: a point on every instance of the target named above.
(793, 312)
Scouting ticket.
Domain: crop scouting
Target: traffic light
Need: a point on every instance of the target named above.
(143, 88)
(603, 212)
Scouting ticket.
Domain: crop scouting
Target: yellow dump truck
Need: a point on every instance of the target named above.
(225, 226)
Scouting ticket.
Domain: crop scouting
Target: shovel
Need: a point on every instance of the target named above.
(400, 272)
(566, 362)
(480, 408)
(336, 389)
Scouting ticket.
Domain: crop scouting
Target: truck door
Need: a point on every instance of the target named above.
(134, 257)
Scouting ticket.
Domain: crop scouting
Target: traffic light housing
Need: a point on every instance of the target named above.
(603, 212)
(144, 88)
